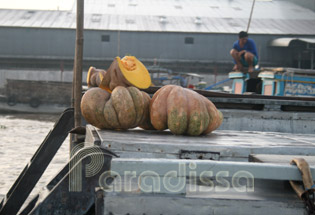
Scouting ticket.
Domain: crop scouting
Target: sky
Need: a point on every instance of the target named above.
(37, 4)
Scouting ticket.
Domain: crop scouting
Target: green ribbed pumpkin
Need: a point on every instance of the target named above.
(183, 111)
(123, 108)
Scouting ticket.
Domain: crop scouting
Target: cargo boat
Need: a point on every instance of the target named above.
(30, 96)
(279, 81)
(242, 168)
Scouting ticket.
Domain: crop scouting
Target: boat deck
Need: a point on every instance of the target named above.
(219, 145)
(160, 151)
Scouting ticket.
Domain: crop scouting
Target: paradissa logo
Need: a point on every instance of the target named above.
(185, 177)
(177, 181)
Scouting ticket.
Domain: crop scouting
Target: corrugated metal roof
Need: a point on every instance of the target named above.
(196, 16)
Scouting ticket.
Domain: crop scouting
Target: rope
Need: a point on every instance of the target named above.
(305, 192)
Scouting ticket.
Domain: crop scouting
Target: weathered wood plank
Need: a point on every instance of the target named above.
(232, 145)
(279, 159)
(175, 204)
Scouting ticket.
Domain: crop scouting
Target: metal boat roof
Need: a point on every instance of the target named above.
(285, 42)
(197, 16)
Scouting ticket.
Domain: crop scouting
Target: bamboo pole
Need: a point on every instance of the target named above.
(250, 17)
(77, 70)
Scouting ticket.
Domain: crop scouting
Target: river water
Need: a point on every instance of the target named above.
(20, 137)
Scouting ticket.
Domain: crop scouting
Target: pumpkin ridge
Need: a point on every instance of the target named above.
(145, 121)
(146, 108)
(188, 111)
(166, 108)
(177, 111)
(157, 93)
(158, 108)
(111, 115)
(207, 117)
(109, 125)
(134, 108)
(215, 120)
(92, 104)
(195, 127)
(124, 106)
(138, 104)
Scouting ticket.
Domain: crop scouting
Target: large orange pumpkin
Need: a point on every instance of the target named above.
(183, 111)
(122, 109)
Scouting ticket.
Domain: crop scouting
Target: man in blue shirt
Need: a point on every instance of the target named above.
(244, 53)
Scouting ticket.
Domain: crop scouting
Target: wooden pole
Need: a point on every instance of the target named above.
(77, 70)
(250, 17)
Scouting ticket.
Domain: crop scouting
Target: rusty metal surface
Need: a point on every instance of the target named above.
(232, 203)
(72, 191)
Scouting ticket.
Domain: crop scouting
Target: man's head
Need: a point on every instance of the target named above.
(243, 36)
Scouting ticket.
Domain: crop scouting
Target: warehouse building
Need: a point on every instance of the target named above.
(181, 35)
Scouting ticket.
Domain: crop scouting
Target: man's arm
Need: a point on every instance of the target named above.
(253, 48)
(236, 56)
(235, 46)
